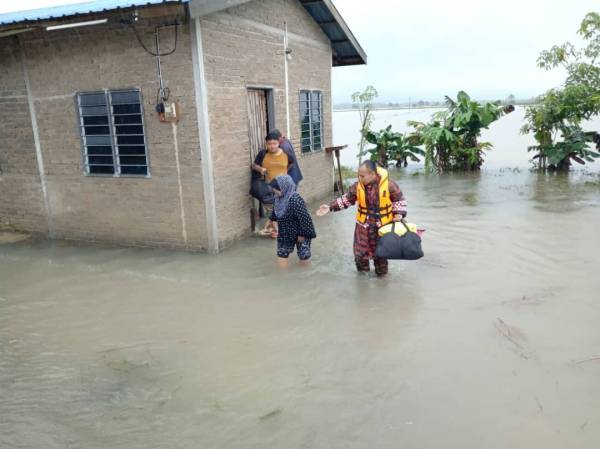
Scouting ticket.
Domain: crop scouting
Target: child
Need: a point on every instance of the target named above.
(296, 227)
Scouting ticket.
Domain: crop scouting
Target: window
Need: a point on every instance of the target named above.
(311, 119)
(112, 133)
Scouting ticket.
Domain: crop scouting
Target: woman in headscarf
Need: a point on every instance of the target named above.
(296, 229)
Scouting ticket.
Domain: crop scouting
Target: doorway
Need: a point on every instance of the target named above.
(261, 119)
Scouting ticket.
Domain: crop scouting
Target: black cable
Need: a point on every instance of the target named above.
(151, 52)
(166, 92)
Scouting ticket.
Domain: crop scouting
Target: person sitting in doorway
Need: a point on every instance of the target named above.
(294, 168)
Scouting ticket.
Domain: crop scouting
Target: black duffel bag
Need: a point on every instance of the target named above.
(261, 190)
(393, 246)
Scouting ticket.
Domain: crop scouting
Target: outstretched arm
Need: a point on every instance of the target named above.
(343, 202)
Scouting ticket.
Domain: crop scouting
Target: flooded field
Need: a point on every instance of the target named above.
(490, 341)
(510, 146)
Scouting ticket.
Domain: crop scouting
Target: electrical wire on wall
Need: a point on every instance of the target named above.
(163, 93)
(157, 54)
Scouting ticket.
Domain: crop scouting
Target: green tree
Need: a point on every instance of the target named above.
(363, 102)
(555, 120)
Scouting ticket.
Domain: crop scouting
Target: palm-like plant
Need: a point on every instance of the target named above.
(451, 138)
(437, 141)
(392, 146)
(405, 148)
(575, 146)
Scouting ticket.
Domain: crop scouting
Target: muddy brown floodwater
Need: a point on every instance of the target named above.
(491, 341)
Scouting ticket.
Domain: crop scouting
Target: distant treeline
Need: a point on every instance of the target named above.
(432, 104)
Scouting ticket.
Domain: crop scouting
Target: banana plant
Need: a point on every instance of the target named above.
(451, 139)
(437, 141)
(405, 148)
(390, 146)
(575, 147)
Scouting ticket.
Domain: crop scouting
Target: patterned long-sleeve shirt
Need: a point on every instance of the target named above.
(372, 198)
(365, 234)
(296, 222)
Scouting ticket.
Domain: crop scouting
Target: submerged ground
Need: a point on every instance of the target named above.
(490, 341)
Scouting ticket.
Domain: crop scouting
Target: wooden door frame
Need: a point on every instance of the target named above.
(270, 94)
(256, 209)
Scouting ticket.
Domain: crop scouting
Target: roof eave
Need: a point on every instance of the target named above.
(361, 57)
(341, 62)
(200, 8)
(73, 13)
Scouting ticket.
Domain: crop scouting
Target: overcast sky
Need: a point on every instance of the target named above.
(426, 49)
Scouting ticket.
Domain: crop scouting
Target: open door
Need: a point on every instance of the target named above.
(259, 122)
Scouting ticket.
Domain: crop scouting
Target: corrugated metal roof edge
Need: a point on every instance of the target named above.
(359, 56)
(60, 12)
(76, 9)
(346, 29)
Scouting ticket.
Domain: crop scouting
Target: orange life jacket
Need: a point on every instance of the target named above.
(384, 214)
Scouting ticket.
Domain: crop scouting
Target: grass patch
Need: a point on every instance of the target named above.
(348, 172)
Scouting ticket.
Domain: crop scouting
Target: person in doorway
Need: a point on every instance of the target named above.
(380, 201)
(296, 228)
(272, 162)
(294, 168)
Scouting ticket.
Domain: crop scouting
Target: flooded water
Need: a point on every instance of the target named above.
(490, 341)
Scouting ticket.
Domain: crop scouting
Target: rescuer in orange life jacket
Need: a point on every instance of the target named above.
(380, 201)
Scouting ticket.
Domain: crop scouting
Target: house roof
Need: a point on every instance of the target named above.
(345, 48)
(76, 9)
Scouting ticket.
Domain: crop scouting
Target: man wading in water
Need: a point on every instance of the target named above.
(380, 201)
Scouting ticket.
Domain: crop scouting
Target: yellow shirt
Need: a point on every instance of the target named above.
(276, 165)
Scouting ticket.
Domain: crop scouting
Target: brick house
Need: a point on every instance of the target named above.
(85, 154)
